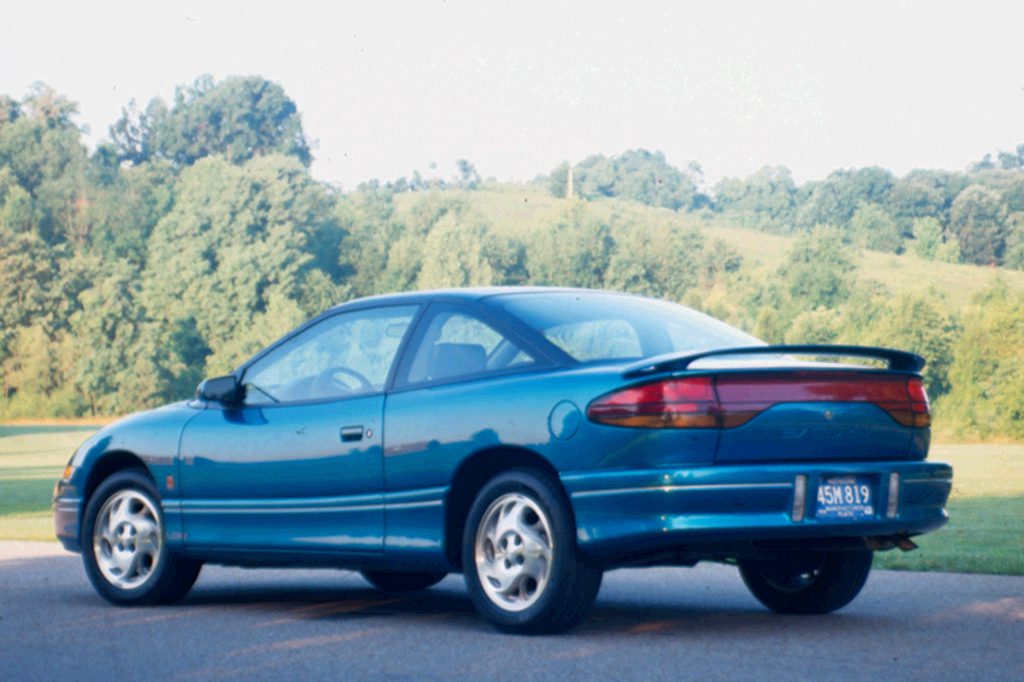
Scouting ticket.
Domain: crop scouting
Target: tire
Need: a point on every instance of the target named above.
(402, 582)
(808, 582)
(519, 556)
(127, 560)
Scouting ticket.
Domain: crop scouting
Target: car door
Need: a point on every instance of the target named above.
(461, 387)
(298, 466)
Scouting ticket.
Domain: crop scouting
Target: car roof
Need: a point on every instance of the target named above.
(463, 294)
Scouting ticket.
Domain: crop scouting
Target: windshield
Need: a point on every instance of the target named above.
(593, 327)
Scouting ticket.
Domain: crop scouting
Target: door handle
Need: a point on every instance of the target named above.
(351, 433)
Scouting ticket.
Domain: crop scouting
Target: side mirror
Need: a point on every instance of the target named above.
(224, 390)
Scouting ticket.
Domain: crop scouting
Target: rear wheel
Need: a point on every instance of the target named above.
(402, 582)
(519, 556)
(123, 545)
(808, 582)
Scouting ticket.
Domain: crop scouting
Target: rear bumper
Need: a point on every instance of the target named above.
(629, 513)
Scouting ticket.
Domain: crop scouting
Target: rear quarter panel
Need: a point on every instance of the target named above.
(429, 432)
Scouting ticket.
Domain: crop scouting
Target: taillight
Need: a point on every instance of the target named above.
(920, 411)
(673, 403)
(731, 400)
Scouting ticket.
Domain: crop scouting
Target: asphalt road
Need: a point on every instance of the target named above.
(647, 624)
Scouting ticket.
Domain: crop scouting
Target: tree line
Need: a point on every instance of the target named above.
(975, 216)
(195, 234)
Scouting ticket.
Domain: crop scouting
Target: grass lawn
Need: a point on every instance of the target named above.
(985, 533)
(32, 458)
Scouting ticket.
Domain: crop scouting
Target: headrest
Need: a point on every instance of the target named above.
(456, 359)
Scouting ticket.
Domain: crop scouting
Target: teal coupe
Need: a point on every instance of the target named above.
(529, 438)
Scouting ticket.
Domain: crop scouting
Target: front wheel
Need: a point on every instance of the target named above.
(519, 556)
(808, 582)
(123, 545)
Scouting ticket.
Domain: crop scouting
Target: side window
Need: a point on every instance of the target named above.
(456, 344)
(596, 339)
(345, 355)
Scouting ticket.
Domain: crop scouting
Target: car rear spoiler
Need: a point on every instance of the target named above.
(673, 362)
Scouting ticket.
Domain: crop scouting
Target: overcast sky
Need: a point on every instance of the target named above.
(518, 87)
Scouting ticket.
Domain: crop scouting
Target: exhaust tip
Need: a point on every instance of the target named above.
(880, 544)
(906, 544)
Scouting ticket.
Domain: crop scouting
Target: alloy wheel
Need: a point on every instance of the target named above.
(514, 550)
(127, 539)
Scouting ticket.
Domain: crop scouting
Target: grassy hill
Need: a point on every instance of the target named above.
(902, 273)
(521, 210)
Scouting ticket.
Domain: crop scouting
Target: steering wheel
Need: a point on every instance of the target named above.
(327, 383)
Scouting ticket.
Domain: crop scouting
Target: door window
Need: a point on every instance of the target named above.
(345, 355)
(457, 344)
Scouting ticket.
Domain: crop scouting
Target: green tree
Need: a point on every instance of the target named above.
(921, 324)
(1012, 160)
(468, 177)
(27, 282)
(558, 181)
(36, 375)
(232, 255)
(1012, 192)
(43, 162)
(949, 252)
(976, 218)
(924, 193)
(765, 199)
(765, 308)
(637, 174)
(818, 271)
(820, 325)
(873, 227)
(1014, 255)
(659, 260)
(239, 118)
(927, 237)
(462, 251)
(401, 251)
(125, 206)
(371, 229)
(719, 258)
(834, 200)
(110, 320)
(573, 250)
(134, 136)
(987, 372)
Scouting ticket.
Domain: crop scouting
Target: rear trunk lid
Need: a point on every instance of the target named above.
(815, 414)
(768, 405)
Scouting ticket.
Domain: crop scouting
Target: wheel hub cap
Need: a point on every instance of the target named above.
(127, 539)
(514, 550)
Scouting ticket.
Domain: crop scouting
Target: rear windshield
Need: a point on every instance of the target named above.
(593, 327)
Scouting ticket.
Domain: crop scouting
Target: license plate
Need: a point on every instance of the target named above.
(844, 498)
